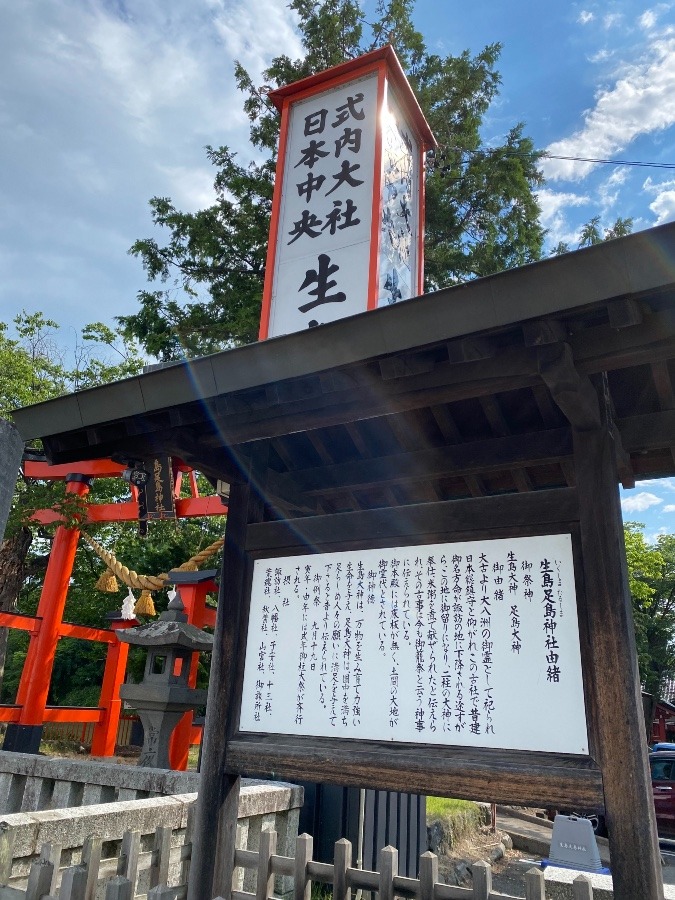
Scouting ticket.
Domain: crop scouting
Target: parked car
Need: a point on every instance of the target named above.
(662, 764)
(662, 745)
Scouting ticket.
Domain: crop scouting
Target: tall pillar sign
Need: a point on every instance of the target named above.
(347, 216)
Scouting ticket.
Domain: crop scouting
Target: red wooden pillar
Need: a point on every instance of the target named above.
(105, 731)
(25, 735)
(193, 588)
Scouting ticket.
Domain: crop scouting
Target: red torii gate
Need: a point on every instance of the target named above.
(27, 716)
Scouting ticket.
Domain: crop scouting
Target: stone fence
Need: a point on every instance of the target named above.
(65, 803)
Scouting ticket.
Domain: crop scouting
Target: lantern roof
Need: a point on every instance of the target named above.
(354, 68)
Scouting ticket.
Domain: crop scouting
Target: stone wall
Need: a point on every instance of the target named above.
(64, 801)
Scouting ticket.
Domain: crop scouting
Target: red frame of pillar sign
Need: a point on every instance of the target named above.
(393, 92)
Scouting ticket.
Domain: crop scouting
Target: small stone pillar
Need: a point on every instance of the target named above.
(164, 694)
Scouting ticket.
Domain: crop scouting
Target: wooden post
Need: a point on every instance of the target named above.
(535, 885)
(194, 601)
(482, 880)
(265, 880)
(119, 888)
(582, 888)
(615, 714)
(212, 863)
(26, 734)
(159, 867)
(91, 860)
(304, 848)
(342, 860)
(127, 864)
(388, 871)
(105, 731)
(428, 875)
(73, 884)
(39, 879)
(7, 834)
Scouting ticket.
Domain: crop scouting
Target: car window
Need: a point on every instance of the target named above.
(662, 769)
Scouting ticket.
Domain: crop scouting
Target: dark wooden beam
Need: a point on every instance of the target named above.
(505, 776)
(543, 331)
(611, 677)
(451, 434)
(604, 348)
(573, 393)
(494, 455)
(213, 844)
(624, 313)
(651, 431)
(419, 523)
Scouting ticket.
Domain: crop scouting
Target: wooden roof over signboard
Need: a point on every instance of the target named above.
(466, 392)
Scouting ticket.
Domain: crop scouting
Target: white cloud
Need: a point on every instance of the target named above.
(104, 105)
(669, 508)
(611, 20)
(647, 20)
(641, 101)
(663, 205)
(665, 483)
(640, 502)
(554, 205)
(609, 189)
(585, 17)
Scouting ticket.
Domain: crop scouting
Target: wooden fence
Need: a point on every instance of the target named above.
(48, 881)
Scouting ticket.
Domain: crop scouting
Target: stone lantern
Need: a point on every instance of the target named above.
(164, 694)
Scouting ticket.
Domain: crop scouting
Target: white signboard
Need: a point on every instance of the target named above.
(473, 643)
(323, 242)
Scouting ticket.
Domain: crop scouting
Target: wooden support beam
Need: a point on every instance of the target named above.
(214, 840)
(462, 460)
(472, 348)
(624, 312)
(432, 521)
(611, 674)
(514, 776)
(573, 393)
(543, 331)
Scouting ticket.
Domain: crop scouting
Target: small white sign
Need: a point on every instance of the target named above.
(473, 643)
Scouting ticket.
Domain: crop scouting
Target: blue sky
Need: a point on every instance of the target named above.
(106, 103)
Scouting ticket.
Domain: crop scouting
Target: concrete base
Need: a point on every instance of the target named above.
(23, 738)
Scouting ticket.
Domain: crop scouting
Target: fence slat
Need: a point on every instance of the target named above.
(73, 883)
(6, 852)
(187, 844)
(582, 888)
(91, 860)
(159, 868)
(535, 885)
(304, 850)
(127, 864)
(40, 879)
(341, 862)
(52, 853)
(119, 888)
(163, 893)
(388, 869)
(265, 882)
(428, 875)
(482, 880)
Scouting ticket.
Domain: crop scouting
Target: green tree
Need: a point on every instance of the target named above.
(34, 366)
(481, 211)
(651, 573)
(591, 234)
